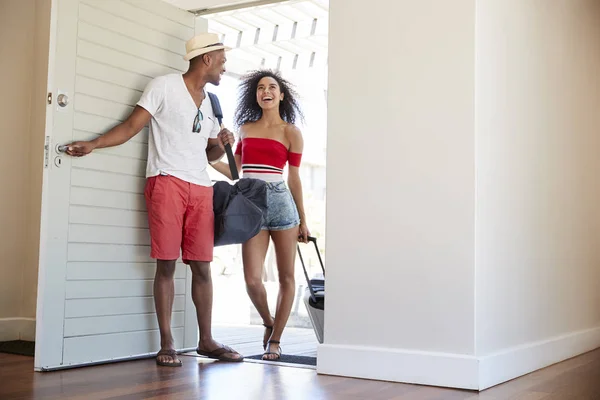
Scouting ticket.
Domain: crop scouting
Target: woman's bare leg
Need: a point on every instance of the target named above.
(254, 252)
(285, 250)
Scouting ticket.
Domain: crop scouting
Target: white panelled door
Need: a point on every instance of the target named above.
(95, 284)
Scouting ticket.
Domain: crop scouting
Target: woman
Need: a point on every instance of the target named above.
(265, 115)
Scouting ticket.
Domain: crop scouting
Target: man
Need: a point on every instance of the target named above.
(184, 137)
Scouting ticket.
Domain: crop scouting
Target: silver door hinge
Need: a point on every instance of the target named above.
(47, 152)
(49, 97)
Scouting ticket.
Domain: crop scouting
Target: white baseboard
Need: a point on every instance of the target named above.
(452, 370)
(17, 329)
(423, 368)
(518, 361)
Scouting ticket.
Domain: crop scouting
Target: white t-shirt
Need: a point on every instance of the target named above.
(173, 148)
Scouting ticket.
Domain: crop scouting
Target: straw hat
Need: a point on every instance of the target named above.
(202, 44)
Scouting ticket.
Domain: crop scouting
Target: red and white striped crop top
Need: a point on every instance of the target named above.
(265, 159)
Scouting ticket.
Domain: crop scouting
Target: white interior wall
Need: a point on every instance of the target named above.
(465, 253)
(401, 192)
(24, 26)
(538, 220)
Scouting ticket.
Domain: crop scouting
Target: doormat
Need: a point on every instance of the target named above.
(20, 347)
(289, 359)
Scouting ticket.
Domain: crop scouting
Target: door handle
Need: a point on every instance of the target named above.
(62, 100)
(61, 148)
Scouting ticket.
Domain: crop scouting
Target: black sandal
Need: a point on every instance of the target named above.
(169, 353)
(278, 354)
(221, 354)
(266, 341)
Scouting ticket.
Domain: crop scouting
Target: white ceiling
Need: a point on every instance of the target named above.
(203, 4)
(277, 34)
(284, 35)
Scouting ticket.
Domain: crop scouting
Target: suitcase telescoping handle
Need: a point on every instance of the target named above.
(314, 240)
(310, 286)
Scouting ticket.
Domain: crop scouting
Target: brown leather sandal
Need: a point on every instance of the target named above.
(220, 354)
(169, 353)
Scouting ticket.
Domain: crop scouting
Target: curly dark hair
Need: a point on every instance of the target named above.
(248, 109)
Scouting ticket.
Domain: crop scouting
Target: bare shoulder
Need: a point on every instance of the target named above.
(293, 133)
(294, 137)
(244, 129)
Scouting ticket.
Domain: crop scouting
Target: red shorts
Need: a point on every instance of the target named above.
(181, 217)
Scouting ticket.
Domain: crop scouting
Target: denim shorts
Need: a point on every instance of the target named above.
(282, 213)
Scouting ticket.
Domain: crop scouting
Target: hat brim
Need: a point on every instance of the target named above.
(198, 52)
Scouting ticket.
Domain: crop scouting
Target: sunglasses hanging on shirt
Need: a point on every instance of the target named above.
(198, 122)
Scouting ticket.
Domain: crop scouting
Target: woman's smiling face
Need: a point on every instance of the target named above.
(268, 93)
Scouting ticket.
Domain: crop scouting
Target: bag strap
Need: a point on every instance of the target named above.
(216, 106)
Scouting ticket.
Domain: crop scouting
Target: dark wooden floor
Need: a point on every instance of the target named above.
(575, 379)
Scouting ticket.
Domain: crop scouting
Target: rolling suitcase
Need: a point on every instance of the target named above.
(314, 295)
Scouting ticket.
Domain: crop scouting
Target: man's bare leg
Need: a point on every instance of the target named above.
(202, 295)
(164, 295)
